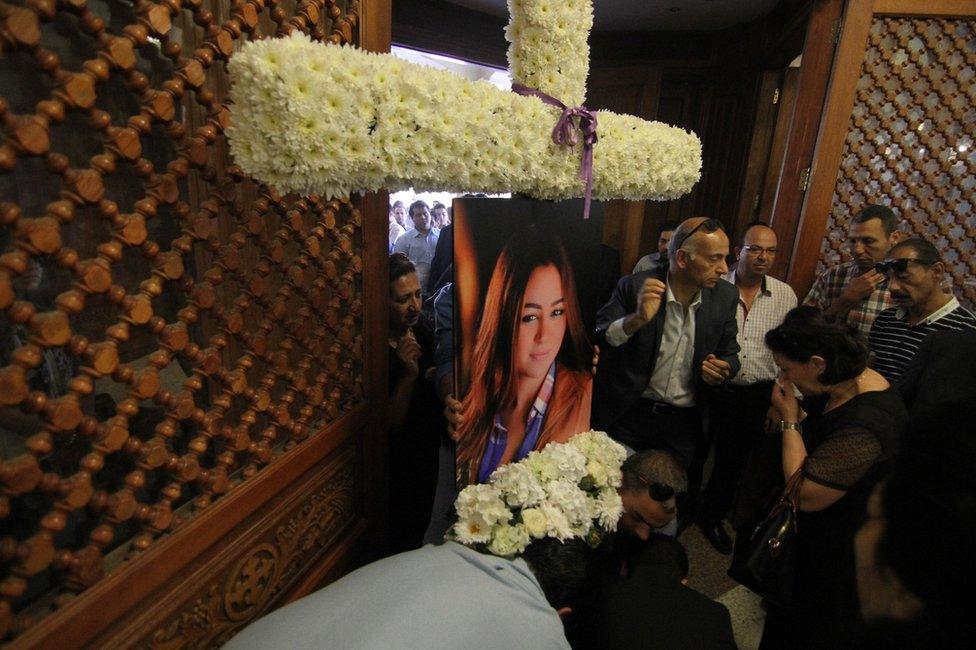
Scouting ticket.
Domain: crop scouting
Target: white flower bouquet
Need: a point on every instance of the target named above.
(563, 491)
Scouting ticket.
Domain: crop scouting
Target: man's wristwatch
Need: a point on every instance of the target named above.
(784, 425)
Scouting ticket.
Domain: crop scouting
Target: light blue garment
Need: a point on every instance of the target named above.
(445, 596)
(444, 331)
(420, 249)
(446, 491)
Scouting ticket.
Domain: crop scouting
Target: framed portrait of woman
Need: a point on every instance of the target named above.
(528, 279)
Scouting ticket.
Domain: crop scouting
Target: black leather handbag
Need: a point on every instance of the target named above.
(764, 552)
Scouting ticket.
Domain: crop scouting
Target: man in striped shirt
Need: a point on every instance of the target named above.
(915, 277)
(738, 410)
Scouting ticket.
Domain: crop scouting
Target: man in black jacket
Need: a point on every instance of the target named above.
(663, 337)
(651, 607)
(942, 375)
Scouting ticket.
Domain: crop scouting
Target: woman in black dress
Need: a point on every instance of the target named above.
(842, 438)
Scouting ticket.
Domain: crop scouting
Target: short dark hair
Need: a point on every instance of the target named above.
(566, 571)
(400, 265)
(415, 204)
(929, 512)
(924, 251)
(663, 550)
(805, 333)
(654, 466)
(750, 226)
(438, 204)
(888, 219)
(664, 227)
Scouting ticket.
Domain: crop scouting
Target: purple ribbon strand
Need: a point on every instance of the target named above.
(564, 133)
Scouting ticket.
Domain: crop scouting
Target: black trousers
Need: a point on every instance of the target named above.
(737, 415)
(655, 425)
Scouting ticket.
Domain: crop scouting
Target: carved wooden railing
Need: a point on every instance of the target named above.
(170, 328)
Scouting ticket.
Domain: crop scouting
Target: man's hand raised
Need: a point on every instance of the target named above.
(648, 303)
(861, 287)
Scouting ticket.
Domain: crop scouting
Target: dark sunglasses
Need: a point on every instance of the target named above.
(656, 490)
(898, 266)
(708, 225)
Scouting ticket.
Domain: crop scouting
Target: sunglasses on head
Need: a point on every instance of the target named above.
(898, 266)
(708, 225)
(656, 490)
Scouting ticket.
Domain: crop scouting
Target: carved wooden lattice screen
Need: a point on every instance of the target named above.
(911, 139)
(171, 330)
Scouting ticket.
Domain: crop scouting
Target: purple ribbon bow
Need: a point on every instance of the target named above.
(564, 133)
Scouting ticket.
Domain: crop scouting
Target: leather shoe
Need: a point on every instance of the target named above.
(715, 533)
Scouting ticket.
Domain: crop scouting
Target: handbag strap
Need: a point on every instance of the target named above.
(791, 492)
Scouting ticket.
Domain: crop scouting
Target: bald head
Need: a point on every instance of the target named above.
(697, 252)
(757, 253)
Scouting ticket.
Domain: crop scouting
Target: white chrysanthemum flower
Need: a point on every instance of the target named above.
(473, 529)
(379, 127)
(607, 508)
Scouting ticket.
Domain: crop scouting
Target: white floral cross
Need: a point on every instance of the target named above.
(332, 120)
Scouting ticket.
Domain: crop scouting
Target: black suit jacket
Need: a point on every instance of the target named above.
(651, 609)
(624, 371)
(942, 374)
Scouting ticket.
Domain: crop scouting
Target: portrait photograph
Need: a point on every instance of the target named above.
(525, 307)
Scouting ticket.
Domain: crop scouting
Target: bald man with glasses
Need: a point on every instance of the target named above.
(665, 337)
(738, 410)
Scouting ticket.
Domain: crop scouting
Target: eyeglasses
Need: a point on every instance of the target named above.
(656, 490)
(708, 225)
(752, 249)
(898, 266)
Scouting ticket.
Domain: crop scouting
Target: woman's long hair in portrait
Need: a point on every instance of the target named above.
(494, 379)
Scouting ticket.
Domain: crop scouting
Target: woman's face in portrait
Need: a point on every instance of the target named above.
(542, 323)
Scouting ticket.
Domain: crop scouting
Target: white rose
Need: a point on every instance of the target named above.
(535, 522)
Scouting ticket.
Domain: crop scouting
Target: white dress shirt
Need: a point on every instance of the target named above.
(774, 300)
(673, 378)
(420, 249)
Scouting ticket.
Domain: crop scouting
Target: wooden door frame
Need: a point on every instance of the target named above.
(841, 94)
(815, 73)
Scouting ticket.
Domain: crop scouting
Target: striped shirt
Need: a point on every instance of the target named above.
(894, 342)
(774, 300)
(832, 283)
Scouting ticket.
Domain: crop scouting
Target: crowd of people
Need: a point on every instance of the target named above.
(864, 393)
